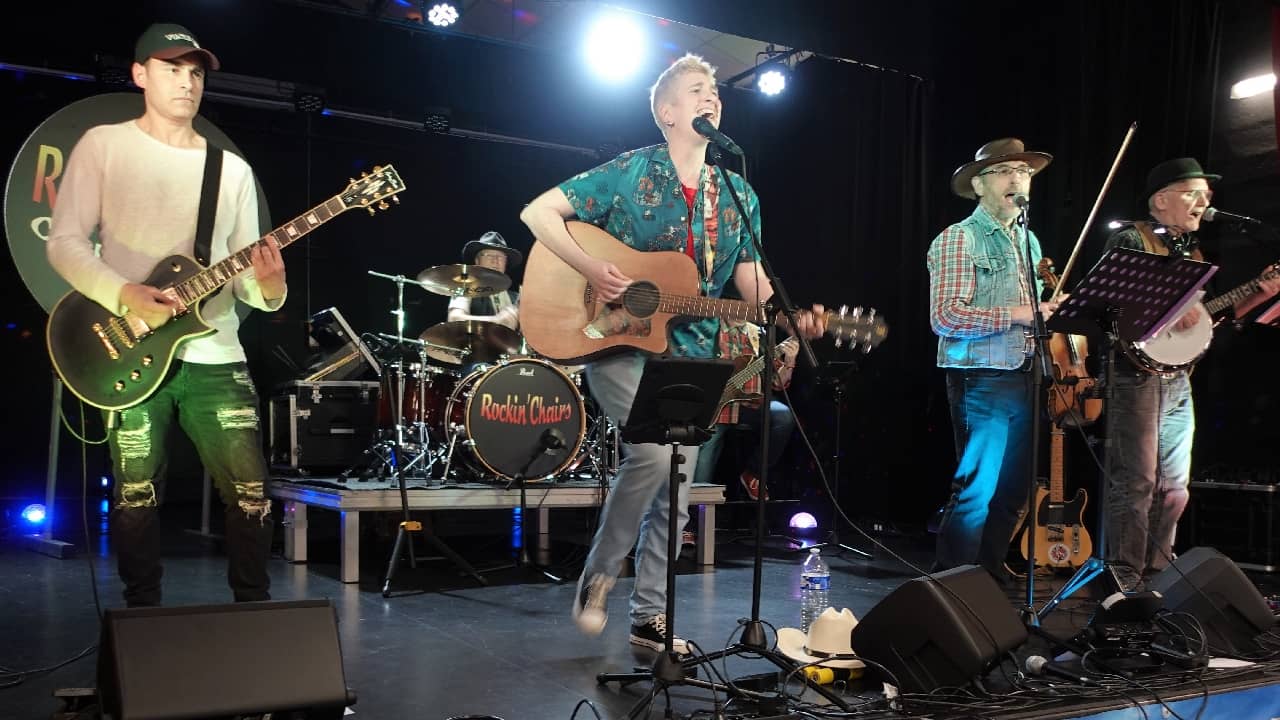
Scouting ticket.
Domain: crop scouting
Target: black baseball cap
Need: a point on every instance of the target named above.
(167, 41)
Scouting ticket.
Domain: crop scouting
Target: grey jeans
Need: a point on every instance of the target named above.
(1148, 470)
(636, 511)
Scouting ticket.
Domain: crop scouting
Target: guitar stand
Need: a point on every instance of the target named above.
(838, 384)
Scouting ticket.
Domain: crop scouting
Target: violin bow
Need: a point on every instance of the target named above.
(1106, 184)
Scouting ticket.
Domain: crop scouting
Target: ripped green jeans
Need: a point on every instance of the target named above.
(217, 407)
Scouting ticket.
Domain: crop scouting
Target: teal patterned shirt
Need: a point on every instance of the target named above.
(637, 198)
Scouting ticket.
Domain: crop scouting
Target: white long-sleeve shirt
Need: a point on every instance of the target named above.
(142, 198)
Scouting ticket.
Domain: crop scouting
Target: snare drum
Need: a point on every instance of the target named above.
(513, 415)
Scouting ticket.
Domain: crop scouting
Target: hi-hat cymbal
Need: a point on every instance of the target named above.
(463, 280)
(475, 341)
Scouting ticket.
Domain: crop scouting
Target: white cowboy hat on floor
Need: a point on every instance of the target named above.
(828, 636)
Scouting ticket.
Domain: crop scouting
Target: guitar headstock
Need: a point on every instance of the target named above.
(861, 328)
(371, 190)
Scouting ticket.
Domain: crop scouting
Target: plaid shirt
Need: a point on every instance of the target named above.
(738, 340)
(956, 256)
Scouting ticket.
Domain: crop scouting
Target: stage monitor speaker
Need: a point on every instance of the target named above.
(1211, 588)
(940, 632)
(222, 661)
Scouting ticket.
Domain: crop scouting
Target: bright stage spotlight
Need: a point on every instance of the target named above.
(1253, 86)
(442, 14)
(34, 514)
(615, 47)
(772, 81)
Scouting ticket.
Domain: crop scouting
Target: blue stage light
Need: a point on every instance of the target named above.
(34, 514)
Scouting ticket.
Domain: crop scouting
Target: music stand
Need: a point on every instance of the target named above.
(1129, 296)
(676, 402)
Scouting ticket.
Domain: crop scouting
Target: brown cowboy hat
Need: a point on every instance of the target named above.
(996, 151)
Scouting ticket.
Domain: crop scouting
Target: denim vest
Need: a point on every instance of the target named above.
(995, 266)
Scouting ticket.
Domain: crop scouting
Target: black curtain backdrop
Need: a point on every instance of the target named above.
(852, 165)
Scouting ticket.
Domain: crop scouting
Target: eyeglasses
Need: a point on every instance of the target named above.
(1195, 194)
(1025, 171)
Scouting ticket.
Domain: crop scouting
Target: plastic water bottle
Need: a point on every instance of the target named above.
(815, 582)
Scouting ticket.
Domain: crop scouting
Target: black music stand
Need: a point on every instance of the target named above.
(676, 402)
(1128, 296)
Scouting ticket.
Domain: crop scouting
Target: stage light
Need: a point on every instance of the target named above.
(1115, 225)
(308, 102)
(106, 481)
(436, 120)
(104, 507)
(1253, 86)
(34, 514)
(803, 521)
(615, 47)
(772, 81)
(442, 14)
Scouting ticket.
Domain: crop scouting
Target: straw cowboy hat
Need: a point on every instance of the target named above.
(996, 151)
(828, 635)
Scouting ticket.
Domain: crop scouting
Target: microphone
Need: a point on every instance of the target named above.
(1040, 666)
(1021, 201)
(1212, 213)
(552, 439)
(703, 127)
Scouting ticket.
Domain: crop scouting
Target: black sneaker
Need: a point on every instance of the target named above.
(590, 603)
(653, 635)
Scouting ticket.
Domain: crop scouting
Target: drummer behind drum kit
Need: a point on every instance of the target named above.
(467, 400)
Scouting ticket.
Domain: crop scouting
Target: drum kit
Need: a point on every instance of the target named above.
(468, 401)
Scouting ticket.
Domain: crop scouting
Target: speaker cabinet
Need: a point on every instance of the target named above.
(1211, 588)
(222, 660)
(940, 633)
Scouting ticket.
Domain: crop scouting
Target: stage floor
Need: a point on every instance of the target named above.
(445, 647)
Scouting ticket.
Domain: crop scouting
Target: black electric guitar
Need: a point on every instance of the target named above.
(117, 361)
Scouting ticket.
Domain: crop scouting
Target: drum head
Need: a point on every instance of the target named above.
(514, 409)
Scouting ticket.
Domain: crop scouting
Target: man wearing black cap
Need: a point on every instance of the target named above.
(1149, 457)
(490, 251)
(138, 185)
(980, 308)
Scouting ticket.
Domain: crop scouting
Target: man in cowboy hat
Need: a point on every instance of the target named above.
(1148, 464)
(980, 286)
(490, 251)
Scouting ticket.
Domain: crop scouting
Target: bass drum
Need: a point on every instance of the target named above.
(519, 418)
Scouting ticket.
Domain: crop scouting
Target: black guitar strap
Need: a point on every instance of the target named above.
(208, 201)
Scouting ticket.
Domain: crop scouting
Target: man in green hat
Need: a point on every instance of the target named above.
(1148, 464)
(138, 186)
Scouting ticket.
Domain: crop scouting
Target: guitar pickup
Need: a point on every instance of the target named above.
(112, 352)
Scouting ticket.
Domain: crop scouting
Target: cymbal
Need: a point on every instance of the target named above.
(463, 280)
(472, 341)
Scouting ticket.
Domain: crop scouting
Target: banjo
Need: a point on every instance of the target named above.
(1174, 350)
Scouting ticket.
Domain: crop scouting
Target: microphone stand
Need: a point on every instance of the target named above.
(549, 443)
(1041, 370)
(754, 642)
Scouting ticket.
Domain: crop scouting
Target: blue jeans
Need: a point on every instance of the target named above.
(781, 423)
(991, 417)
(217, 407)
(637, 510)
(1148, 469)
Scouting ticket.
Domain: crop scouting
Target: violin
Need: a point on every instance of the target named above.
(1071, 401)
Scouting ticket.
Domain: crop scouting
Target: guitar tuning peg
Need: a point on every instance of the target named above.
(395, 199)
(371, 210)
(844, 310)
(364, 174)
(377, 168)
(351, 180)
(383, 205)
